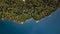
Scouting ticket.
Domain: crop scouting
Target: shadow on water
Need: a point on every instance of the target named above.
(48, 25)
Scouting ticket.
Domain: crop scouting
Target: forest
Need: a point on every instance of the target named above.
(21, 10)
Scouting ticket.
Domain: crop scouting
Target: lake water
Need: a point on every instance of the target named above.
(47, 25)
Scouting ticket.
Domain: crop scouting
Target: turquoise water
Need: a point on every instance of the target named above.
(47, 25)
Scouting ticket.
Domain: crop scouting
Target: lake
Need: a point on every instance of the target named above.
(47, 25)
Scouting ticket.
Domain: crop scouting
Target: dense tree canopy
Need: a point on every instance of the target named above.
(22, 10)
